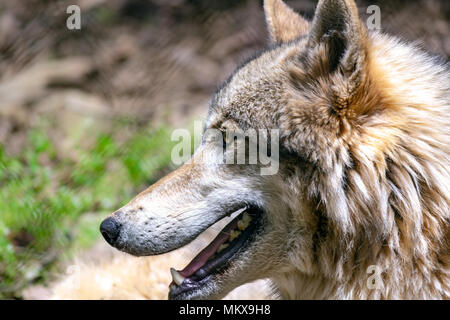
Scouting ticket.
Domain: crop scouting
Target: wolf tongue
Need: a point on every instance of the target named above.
(201, 258)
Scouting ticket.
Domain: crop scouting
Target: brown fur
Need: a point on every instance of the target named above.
(387, 158)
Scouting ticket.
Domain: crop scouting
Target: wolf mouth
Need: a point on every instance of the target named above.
(217, 257)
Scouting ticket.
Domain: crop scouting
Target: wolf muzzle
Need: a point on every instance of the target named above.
(110, 230)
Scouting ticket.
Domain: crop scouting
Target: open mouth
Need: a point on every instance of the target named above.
(217, 256)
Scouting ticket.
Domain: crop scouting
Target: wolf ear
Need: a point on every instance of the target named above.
(283, 23)
(339, 38)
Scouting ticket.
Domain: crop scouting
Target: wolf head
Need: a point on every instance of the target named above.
(342, 191)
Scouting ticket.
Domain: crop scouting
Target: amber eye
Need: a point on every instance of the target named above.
(224, 138)
(228, 137)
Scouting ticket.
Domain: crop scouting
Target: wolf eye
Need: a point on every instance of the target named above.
(228, 138)
(224, 139)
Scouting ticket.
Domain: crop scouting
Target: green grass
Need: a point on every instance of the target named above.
(43, 196)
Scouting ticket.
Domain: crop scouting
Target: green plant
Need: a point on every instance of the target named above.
(43, 194)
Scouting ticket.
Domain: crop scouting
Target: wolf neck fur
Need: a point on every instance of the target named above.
(385, 224)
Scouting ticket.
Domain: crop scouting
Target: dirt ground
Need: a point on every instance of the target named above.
(148, 62)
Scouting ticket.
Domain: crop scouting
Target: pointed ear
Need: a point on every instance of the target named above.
(339, 37)
(283, 23)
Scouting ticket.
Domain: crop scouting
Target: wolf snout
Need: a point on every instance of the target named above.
(110, 230)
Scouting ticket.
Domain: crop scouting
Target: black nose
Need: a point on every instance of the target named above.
(110, 230)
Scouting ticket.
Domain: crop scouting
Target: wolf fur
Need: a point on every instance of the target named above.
(364, 176)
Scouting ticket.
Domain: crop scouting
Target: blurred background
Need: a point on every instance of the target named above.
(86, 115)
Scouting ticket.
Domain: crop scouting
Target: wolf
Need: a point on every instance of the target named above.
(359, 205)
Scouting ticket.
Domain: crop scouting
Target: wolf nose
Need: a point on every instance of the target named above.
(110, 230)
